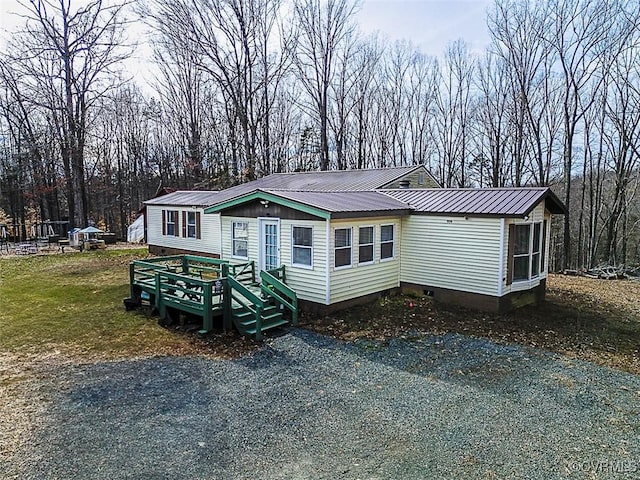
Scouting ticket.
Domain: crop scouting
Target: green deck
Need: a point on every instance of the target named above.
(210, 288)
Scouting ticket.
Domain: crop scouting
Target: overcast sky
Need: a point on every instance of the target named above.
(429, 24)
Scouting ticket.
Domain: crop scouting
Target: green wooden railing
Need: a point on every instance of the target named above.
(249, 301)
(189, 294)
(244, 272)
(274, 287)
(207, 286)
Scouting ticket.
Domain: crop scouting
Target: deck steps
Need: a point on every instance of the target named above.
(271, 318)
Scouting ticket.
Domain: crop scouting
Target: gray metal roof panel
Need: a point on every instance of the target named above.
(344, 202)
(192, 198)
(499, 202)
(326, 181)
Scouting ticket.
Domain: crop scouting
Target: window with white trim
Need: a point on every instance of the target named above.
(365, 245)
(171, 223)
(526, 246)
(240, 239)
(191, 225)
(302, 246)
(342, 247)
(535, 250)
(387, 241)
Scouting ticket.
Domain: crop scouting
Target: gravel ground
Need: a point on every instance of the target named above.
(305, 406)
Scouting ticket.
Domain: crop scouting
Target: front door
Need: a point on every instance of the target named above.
(269, 243)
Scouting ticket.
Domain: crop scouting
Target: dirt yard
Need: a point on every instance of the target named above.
(594, 320)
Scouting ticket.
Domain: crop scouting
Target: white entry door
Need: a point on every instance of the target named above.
(269, 243)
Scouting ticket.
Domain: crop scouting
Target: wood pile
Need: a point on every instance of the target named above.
(610, 272)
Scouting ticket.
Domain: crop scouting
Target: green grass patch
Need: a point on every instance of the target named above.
(73, 303)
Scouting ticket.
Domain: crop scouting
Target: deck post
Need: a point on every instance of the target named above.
(160, 305)
(227, 310)
(294, 313)
(185, 265)
(132, 278)
(207, 314)
(258, 322)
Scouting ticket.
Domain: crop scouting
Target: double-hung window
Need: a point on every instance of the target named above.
(170, 223)
(365, 245)
(240, 239)
(387, 240)
(191, 227)
(342, 250)
(302, 246)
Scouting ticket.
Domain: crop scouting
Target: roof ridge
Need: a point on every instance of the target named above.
(346, 170)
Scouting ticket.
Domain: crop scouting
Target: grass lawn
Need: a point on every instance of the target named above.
(72, 303)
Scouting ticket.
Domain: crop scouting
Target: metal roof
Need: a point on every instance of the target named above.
(346, 202)
(192, 198)
(495, 202)
(326, 181)
(336, 180)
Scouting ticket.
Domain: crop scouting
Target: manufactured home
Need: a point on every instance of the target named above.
(347, 237)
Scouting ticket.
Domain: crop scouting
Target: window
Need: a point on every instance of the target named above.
(239, 239)
(525, 251)
(342, 254)
(535, 251)
(170, 223)
(302, 246)
(191, 224)
(386, 242)
(421, 178)
(522, 235)
(365, 245)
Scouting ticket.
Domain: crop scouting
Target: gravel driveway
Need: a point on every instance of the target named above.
(307, 407)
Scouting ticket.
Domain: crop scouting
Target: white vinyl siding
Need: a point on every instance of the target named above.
(226, 224)
(209, 241)
(309, 283)
(456, 253)
(364, 279)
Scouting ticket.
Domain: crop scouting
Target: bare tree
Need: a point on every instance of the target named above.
(321, 29)
(66, 61)
(454, 105)
(581, 33)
